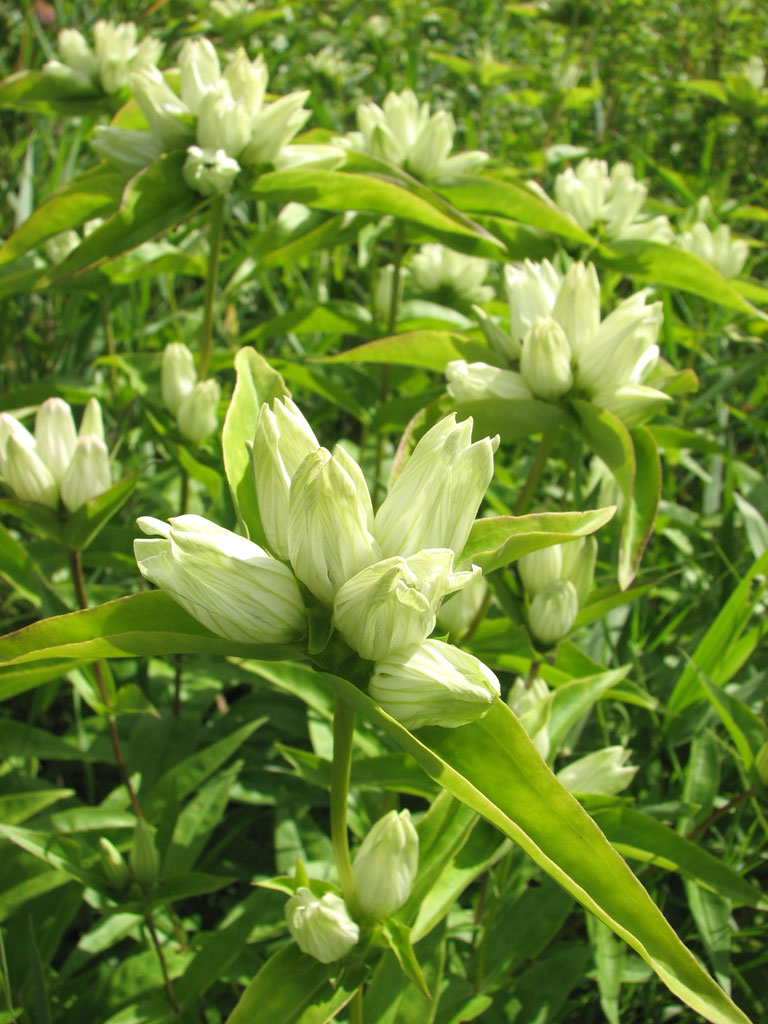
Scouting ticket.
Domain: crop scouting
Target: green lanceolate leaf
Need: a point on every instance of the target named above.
(493, 767)
(84, 524)
(256, 383)
(427, 349)
(499, 540)
(641, 513)
(39, 93)
(143, 624)
(514, 418)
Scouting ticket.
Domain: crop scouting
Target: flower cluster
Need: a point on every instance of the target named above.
(384, 870)
(562, 347)
(220, 118)
(557, 580)
(192, 402)
(115, 56)
(381, 577)
(714, 244)
(436, 268)
(609, 202)
(58, 462)
(404, 133)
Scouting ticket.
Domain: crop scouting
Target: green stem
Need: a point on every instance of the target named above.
(534, 473)
(343, 731)
(148, 920)
(394, 303)
(356, 1008)
(215, 235)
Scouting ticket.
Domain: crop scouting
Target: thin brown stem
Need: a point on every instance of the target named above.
(78, 580)
(163, 965)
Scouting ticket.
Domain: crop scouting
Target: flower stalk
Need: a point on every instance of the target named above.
(215, 236)
(343, 732)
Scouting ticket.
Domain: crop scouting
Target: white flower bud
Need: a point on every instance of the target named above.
(632, 403)
(321, 927)
(76, 53)
(540, 568)
(385, 866)
(432, 146)
(545, 362)
(273, 128)
(28, 476)
(603, 772)
(200, 71)
(329, 539)
(391, 604)
(56, 436)
(164, 111)
(178, 375)
(531, 289)
(197, 415)
(434, 501)
(577, 307)
(11, 427)
(60, 246)
(222, 122)
(247, 80)
(553, 612)
(226, 582)
(433, 684)
(282, 441)
(532, 706)
(209, 171)
(114, 867)
(92, 423)
(621, 342)
(579, 558)
(88, 474)
(468, 382)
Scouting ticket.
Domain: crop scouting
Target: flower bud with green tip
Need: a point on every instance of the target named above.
(88, 474)
(145, 860)
(392, 604)
(55, 436)
(28, 476)
(92, 423)
(434, 501)
(468, 382)
(114, 867)
(282, 441)
(553, 611)
(433, 683)
(11, 427)
(321, 926)
(329, 521)
(539, 568)
(200, 71)
(603, 772)
(545, 362)
(385, 866)
(178, 375)
(197, 415)
(167, 115)
(230, 585)
(459, 611)
(579, 558)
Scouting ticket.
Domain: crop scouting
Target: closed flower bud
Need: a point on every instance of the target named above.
(433, 684)
(283, 440)
(76, 53)
(577, 307)
(579, 557)
(553, 612)
(540, 568)
(247, 79)
(178, 375)
(603, 772)
(114, 867)
(60, 246)
(88, 474)
(11, 427)
(56, 436)
(200, 71)
(209, 171)
(385, 866)
(532, 706)
(222, 122)
(329, 538)
(92, 423)
(531, 289)
(28, 476)
(197, 414)
(434, 501)
(391, 604)
(321, 927)
(167, 116)
(226, 582)
(545, 362)
(458, 612)
(468, 382)
(273, 128)
(145, 862)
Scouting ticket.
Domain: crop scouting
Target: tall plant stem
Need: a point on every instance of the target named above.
(356, 1008)
(215, 235)
(343, 731)
(163, 965)
(394, 303)
(76, 568)
(534, 473)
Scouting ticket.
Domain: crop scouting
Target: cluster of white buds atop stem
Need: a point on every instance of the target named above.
(562, 348)
(557, 580)
(115, 56)
(193, 403)
(57, 463)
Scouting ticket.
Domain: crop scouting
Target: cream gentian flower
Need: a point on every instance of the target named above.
(404, 133)
(193, 403)
(562, 347)
(716, 247)
(604, 772)
(557, 580)
(435, 267)
(385, 866)
(321, 926)
(115, 56)
(219, 117)
(229, 584)
(58, 462)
